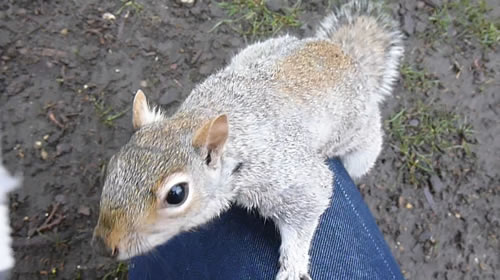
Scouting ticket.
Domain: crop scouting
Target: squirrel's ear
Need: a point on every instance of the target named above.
(212, 135)
(142, 114)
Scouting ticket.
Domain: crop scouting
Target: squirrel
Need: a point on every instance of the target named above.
(257, 134)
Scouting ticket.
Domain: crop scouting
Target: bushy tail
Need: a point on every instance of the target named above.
(371, 37)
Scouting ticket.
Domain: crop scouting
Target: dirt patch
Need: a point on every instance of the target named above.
(68, 76)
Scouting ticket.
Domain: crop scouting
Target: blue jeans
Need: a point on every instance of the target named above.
(240, 245)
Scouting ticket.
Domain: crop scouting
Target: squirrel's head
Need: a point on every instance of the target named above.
(170, 177)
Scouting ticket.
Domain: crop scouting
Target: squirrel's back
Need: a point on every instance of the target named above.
(357, 37)
(319, 85)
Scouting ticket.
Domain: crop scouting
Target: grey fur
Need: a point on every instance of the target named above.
(283, 124)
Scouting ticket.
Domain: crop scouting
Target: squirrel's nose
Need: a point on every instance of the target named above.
(102, 249)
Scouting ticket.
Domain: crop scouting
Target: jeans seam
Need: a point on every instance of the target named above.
(366, 229)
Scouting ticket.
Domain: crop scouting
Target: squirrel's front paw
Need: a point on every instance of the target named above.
(290, 274)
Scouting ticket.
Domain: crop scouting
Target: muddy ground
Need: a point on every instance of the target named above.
(68, 77)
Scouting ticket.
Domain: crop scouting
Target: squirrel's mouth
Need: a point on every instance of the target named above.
(135, 245)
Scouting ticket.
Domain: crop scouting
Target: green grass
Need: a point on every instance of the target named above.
(422, 134)
(130, 5)
(441, 19)
(119, 273)
(417, 80)
(469, 19)
(252, 18)
(107, 114)
(78, 274)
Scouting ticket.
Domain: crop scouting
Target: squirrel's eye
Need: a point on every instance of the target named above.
(177, 194)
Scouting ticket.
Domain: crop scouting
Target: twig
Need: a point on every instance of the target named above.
(430, 200)
(52, 117)
(49, 52)
(53, 212)
(50, 222)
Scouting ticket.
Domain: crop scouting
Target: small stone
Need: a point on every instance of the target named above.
(117, 70)
(44, 154)
(436, 183)
(21, 12)
(414, 122)
(20, 153)
(457, 215)
(493, 218)
(420, 5)
(85, 86)
(189, 2)
(173, 66)
(38, 144)
(108, 16)
(401, 201)
(61, 198)
(46, 137)
(409, 206)
(26, 218)
(424, 236)
(84, 210)
(64, 31)
(144, 83)
(63, 148)
(88, 52)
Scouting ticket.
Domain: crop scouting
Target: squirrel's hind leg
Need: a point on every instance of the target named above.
(359, 160)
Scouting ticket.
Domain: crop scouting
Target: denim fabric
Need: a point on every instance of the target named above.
(241, 245)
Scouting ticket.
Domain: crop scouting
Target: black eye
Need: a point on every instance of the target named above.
(177, 194)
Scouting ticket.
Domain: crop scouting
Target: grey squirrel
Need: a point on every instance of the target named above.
(257, 134)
